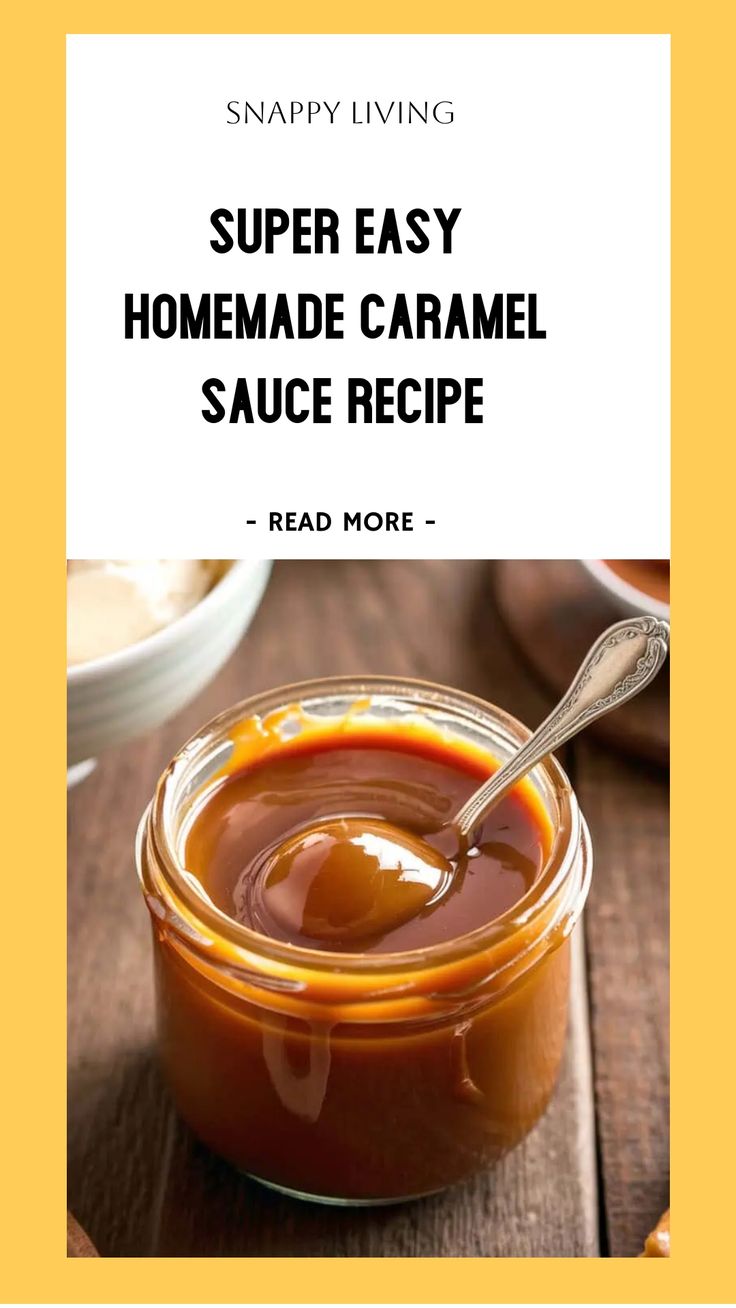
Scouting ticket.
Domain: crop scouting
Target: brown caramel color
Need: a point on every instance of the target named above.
(341, 1081)
(255, 850)
(351, 881)
(657, 1244)
(651, 576)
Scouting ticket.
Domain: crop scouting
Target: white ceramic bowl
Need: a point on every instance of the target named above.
(121, 695)
(629, 601)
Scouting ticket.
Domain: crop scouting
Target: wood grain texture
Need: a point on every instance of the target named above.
(555, 611)
(138, 1181)
(627, 933)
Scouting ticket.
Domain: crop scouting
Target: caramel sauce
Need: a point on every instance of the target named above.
(657, 1243)
(342, 886)
(651, 576)
(330, 1079)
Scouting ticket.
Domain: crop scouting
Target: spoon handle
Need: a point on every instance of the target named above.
(620, 664)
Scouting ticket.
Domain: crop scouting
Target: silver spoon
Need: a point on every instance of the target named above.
(621, 663)
(379, 875)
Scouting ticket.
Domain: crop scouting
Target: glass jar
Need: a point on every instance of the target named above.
(358, 1078)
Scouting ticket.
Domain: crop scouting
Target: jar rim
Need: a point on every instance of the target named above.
(156, 830)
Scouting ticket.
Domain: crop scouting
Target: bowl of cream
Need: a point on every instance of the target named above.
(144, 637)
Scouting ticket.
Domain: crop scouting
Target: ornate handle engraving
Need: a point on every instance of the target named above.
(620, 664)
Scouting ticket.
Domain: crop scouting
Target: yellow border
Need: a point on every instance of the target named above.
(33, 1266)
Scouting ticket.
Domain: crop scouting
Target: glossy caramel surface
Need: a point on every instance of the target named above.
(341, 1079)
(345, 884)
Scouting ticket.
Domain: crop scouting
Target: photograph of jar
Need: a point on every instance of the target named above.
(359, 1076)
(351, 1008)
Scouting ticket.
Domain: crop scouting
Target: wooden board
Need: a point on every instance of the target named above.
(555, 611)
(627, 933)
(138, 1182)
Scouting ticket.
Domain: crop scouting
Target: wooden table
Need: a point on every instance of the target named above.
(591, 1179)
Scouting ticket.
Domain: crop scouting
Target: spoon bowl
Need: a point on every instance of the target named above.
(356, 878)
(349, 880)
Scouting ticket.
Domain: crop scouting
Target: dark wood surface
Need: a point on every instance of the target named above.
(555, 611)
(591, 1179)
